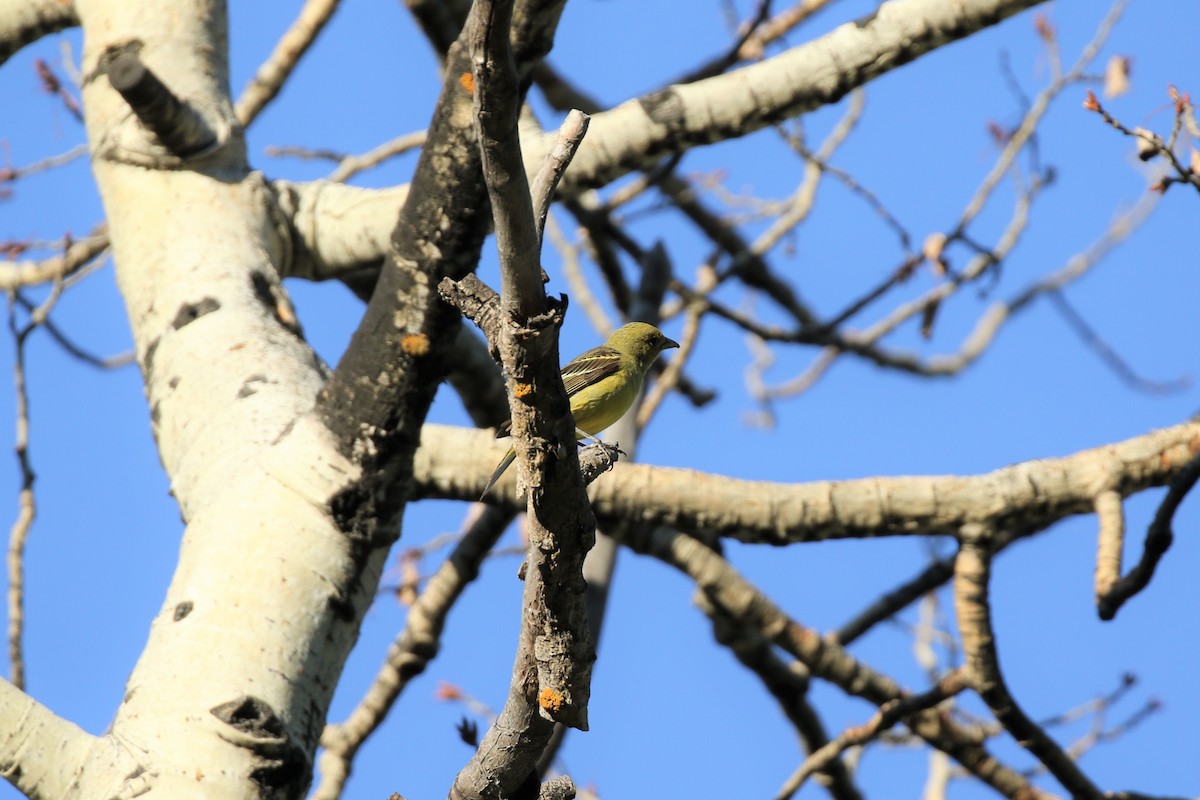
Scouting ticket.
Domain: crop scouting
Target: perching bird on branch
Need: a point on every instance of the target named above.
(603, 382)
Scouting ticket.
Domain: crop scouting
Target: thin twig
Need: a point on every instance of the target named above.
(1150, 144)
(11, 174)
(581, 291)
(749, 267)
(788, 683)
(1109, 356)
(292, 46)
(864, 343)
(748, 606)
(602, 233)
(570, 136)
(77, 352)
(984, 261)
(1158, 540)
(74, 254)
(800, 204)
(734, 54)
(647, 179)
(1029, 122)
(888, 715)
(52, 84)
(821, 161)
(891, 603)
(779, 26)
(351, 165)
(1092, 707)
(18, 534)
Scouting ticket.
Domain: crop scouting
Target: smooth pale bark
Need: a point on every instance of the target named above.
(25, 21)
(637, 133)
(41, 752)
(339, 228)
(454, 462)
(229, 696)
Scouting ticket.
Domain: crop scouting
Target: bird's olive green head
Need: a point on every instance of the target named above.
(641, 340)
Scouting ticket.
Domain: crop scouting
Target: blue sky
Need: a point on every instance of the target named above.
(672, 714)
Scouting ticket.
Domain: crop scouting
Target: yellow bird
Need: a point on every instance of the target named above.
(603, 382)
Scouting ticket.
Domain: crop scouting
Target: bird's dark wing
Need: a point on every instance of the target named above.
(585, 369)
(591, 367)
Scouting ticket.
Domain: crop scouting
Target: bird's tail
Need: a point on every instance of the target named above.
(509, 457)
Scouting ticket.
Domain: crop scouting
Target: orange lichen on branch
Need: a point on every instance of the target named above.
(467, 81)
(415, 344)
(551, 700)
(522, 390)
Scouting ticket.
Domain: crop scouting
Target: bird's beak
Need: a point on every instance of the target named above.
(669, 343)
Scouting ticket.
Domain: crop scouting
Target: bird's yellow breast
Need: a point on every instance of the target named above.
(600, 405)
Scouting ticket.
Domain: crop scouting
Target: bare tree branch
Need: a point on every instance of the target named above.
(600, 564)
(570, 135)
(454, 463)
(39, 751)
(892, 602)
(823, 658)
(497, 106)
(75, 254)
(788, 684)
(25, 21)
(972, 573)
(747, 30)
(552, 670)
(278, 67)
(778, 26)
(1158, 540)
(637, 132)
(889, 714)
(1151, 145)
